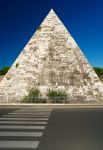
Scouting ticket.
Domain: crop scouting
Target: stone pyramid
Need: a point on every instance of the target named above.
(52, 60)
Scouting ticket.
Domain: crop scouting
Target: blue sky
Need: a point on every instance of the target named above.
(19, 19)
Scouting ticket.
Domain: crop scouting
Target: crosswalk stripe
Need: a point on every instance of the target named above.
(22, 122)
(30, 113)
(24, 119)
(26, 116)
(33, 110)
(21, 127)
(25, 134)
(19, 144)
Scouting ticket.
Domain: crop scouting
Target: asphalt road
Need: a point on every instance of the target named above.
(51, 129)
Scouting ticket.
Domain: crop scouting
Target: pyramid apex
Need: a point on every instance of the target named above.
(52, 11)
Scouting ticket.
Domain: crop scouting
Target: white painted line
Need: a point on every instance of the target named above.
(27, 116)
(19, 144)
(24, 119)
(21, 127)
(29, 113)
(35, 109)
(32, 110)
(23, 114)
(23, 134)
(23, 122)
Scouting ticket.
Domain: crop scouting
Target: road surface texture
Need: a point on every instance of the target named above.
(72, 128)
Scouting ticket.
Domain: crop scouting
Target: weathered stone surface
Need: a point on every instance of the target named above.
(52, 59)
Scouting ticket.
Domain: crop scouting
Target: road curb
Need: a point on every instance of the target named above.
(49, 105)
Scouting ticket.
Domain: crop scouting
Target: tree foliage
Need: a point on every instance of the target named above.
(98, 70)
(4, 70)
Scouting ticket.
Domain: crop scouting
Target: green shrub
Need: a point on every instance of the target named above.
(42, 100)
(33, 97)
(4, 70)
(57, 96)
(39, 28)
(8, 78)
(17, 65)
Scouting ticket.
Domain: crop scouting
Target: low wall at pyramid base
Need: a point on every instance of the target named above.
(79, 100)
(82, 97)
